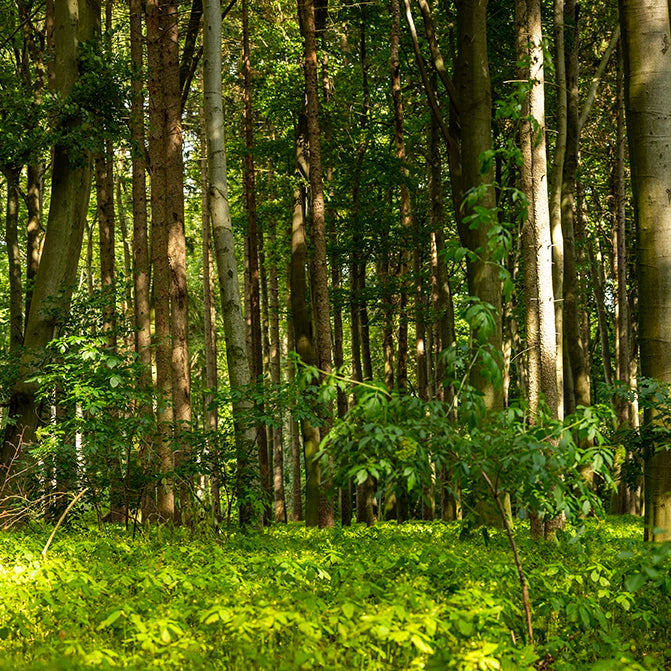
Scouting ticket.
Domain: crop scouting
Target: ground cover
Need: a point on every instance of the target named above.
(388, 597)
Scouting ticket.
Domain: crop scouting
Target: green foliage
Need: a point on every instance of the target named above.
(390, 597)
(97, 107)
(401, 441)
(102, 418)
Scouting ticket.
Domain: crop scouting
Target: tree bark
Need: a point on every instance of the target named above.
(303, 335)
(645, 32)
(475, 115)
(275, 357)
(162, 460)
(174, 184)
(578, 393)
(75, 21)
(541, 335)
(256, 360)
(319, 271)
(14, 258)
(556, 197)
(405, 210)
(224, 243)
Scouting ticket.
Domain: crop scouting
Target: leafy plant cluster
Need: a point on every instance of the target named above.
(387, 597)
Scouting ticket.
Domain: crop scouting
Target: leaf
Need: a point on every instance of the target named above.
(111, 619)
(115, 381)
(348, 610)
(635, 582)
(421, 645)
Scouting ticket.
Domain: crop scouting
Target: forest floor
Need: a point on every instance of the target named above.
(412, 596)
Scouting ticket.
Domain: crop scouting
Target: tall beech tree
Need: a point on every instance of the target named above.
(541, 334)
(224, 244)
(646, 28)
(75, 22)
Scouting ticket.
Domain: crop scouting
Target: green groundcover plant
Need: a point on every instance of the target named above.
(412, 596)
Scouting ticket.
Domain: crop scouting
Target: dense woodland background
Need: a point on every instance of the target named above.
(374, 260)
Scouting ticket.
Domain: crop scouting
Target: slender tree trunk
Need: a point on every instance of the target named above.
(579, 392)
(556, 198)
(16, 320)
(163, 459)
(320, 297)
(296, 487)
(541, 334)
(405, 211)
(141, 258)
(34, 232)
(224, 243)
(256, 361)
(303, 340)
(387, 311)
(275, 357)
(105, 216)
(174, 202)
(210, 410)
(645, 37)
(627, 499)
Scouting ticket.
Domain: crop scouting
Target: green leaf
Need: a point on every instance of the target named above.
(635, 582)
(111, 619)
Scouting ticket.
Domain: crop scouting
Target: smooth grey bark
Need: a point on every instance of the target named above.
(645, 36)
(224, 244)
(541, 335)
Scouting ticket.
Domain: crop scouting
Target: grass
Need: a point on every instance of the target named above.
(389, 597)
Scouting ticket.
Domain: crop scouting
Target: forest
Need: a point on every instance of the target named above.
(335, 336)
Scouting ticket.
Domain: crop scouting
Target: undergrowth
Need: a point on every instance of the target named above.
(407, 596)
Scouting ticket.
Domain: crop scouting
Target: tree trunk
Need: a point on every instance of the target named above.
(627, 500)
(475, 115)
(320, 297)
(224, 243)
(105, 216)
(304, 345)
(256, 360)
(210, 411)
(275, 357)
(405, 212)
(579, 392)
(14, 258)
(174, 185)
(163, 458)
(541, 335)
(296, 488)
(556, 198)
(645, 32)
(34, 229)
(75, 21)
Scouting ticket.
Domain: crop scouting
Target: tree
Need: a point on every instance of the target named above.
(645, 33)
(76, 21)
(541, 336)
(222, 236)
